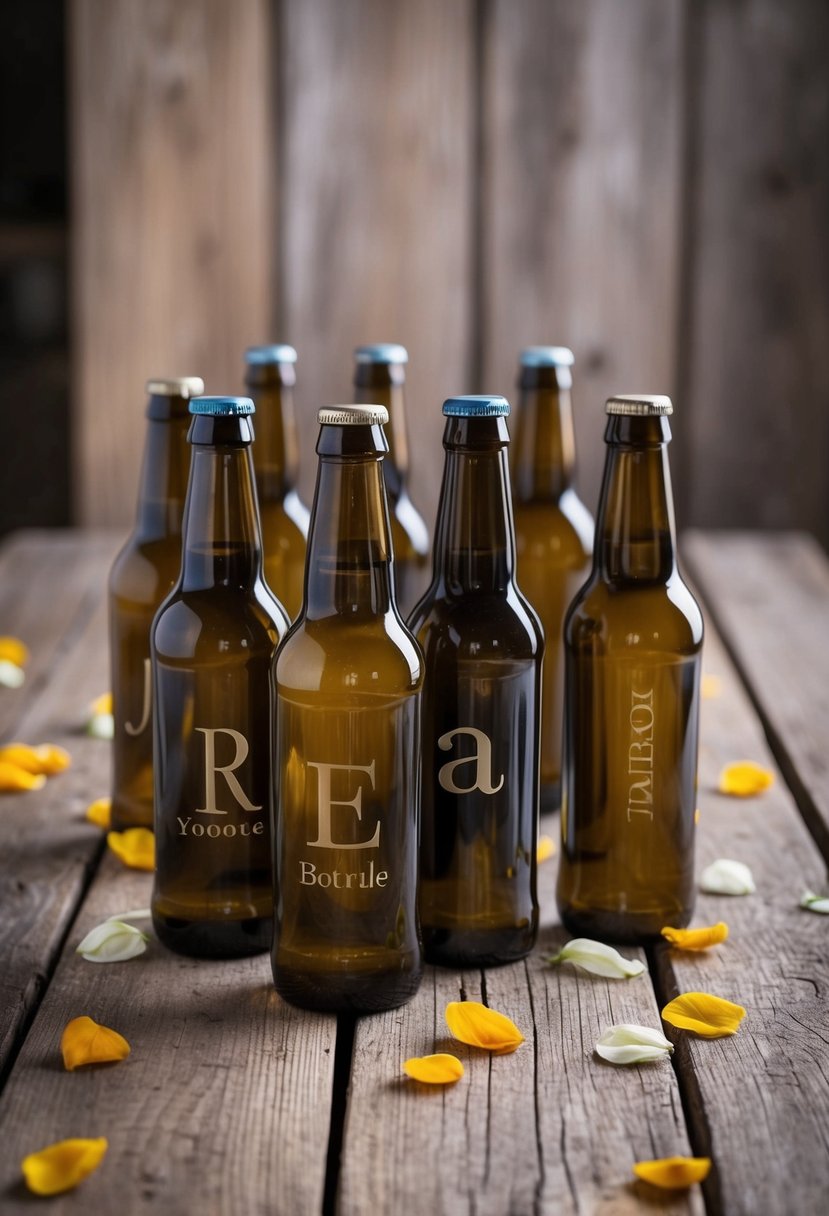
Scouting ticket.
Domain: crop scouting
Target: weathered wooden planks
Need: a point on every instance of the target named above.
(172, 221)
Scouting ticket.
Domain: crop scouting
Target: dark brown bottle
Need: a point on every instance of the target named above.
(270, 377)
(482, 645)
(141, 576)
(380, 377)
(347, 686)
(633, 640)
(553, 529)
(212, 644)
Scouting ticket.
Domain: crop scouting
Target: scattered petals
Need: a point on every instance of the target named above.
(745, 779)
(85, 1042)
(473, 1023)
(440, 1069)
(99, 812)
(696, 939)
(113, 941)
(11, 676)
(61, 1166)
(135, 847)
(12, 777)
(727, 877)
(13, 651)
(629, 1044)
(673, 1173)
(45, 760)
(546, 849)
(710, 688)
(815, 903)
(710, 1017)
(101, 705)
(101, 726)
(598, 959)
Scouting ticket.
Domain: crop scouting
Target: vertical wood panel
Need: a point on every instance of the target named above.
(582, 166)
(172, 224)
(758, 361)
(375, 200)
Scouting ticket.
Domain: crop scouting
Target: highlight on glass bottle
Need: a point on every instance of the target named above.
(379, 378)
(633, 639)
(347, 685)
(553, 528)
(212, 644)
(141, 576)
(270, 376)
(483, 646)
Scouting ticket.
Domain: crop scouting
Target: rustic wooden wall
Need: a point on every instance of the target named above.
(645, 181)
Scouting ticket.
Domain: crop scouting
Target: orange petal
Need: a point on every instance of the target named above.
(696, 939)
(61, 1166)
(710, 1017)
(46, 759)
(710, 688)
(12, 650)
(744, 779)
(673, 1173)
(85, 1042)
(546, 848)
(99, 812)
(135, 847)
(12, 777)
(473, 1023)
(440, 1069)
(101, 705)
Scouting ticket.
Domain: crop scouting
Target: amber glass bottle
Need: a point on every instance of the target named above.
(482, 646)
(347, 683)
(380, 377)
(142, 574)
(270, 378)
(553, 528)
(212, 643)
(633, 639)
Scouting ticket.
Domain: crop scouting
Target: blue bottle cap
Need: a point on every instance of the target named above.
(278, 352)
(382, 352)
(546, 356)
(476, 407)
(222, 407)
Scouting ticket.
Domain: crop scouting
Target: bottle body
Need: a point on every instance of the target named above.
(633, 641)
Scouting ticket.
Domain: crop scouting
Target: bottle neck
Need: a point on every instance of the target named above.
(544, 449)
(635, 530)
(276, 451)
(475, 538)
(378, 384)
(222, 537)
(163, 484)
(349, 567)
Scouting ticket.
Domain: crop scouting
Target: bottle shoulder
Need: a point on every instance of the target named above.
(218, 621)
(649, 615)
(482, 626)
(335, 656)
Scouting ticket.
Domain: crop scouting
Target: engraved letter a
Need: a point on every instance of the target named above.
(227, 770)
(482, 761)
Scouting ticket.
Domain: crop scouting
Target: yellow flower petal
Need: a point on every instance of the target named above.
(440, 1069)
(12, 777)
(744, 779)
(12, 650)
(673, 1173)
(99, 812)
(61, 1166)
(473, 1023)
(546, 849)
(135, 847)
(46, 759)
(696, 939)
(710, 688)
(101, 705)
(85, 1042)
(710, 1017)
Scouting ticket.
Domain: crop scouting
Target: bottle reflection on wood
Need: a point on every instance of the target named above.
(482, 646)
(212, 644)
(347, 683)
(141, 576)
(633, 641)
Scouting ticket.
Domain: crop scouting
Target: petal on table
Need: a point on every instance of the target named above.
(113, 941)
(440, 1069)
(815, 903)
(598, 959)
(727, 877)
(473, 1023)
(631, 1044)
(673, 1173)
(11, 676)
(44, 760)
(546, 849)
(13, 651)
(745, 779)
(710, 1017)
(61, 1166)
(135, 847)
(99, 812)
(13, 778)
(86, 1042)
(696, 939)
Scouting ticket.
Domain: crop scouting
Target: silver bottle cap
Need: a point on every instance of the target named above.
(175, 386)
(639, 405)
(353, 415)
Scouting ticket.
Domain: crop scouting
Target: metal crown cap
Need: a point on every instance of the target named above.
(353, 415)
(641, 405)
(476, 407)
(175, 386)
(277, 352)
(223, 407)
(382, 352)
(547, 356)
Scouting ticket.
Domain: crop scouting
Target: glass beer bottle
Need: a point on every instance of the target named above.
(141, 576)
(347, 685)
(553, 529)
(270, 379)
(212, 643)
(633, 640)
(379, 377)
(482, 646)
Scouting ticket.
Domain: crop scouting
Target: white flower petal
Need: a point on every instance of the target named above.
(136, 914)
(630, 1044)
(815, 903)
(598, 959)
(101, 726)
(11, 676)
(114, 941)
(726, 877)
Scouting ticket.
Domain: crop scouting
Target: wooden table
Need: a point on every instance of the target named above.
(232, 1102)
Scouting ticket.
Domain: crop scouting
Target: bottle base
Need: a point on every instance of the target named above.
(335, 992)
(213, 938)
(621, 928)
(477, 947)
